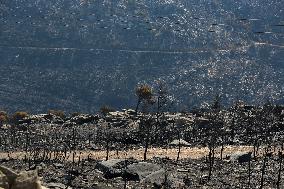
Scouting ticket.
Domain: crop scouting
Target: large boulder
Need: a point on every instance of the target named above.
(241, 157)
(157, 178)
(139, 171)
(9, 174)
(161, 178)
(113, 168)
(26, 180)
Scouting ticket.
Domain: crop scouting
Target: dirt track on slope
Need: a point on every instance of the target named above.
(186, 152)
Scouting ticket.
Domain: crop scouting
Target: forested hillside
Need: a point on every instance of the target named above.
(78, 55)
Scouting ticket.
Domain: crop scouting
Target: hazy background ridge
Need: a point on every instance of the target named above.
(79, 55)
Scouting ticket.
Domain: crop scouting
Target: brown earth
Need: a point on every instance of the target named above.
(186, 152)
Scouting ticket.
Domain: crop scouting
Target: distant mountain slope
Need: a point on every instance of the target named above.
(77, 55)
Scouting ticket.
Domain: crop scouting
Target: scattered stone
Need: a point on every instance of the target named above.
(93, 147)
(58, 165)
(102, 186)
(131, 112)
(83, 118)
(183, 170)
(53, 185)
(74, 172)
(187, 182)
(160, 159)
(179, 142)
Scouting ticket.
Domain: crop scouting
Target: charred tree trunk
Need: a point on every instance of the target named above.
(107, 149)
(279, 171)
(179, 147)
(222, 147)
(146, 146)
(210, 163)
(263, 171)
(137, 105)
(249, 172)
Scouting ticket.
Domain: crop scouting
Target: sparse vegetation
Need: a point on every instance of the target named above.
(180, 65)
(3, 117)
(17, 116)
(106, 109)
(74, 114)
(118, 134)
(144, 95)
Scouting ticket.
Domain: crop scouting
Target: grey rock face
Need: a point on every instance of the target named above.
(3, 181)
(139, 171)
(157, 177)
(110, 168)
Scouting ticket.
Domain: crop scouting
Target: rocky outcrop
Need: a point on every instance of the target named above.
(4, 183)
(83, 118)
(24, 180)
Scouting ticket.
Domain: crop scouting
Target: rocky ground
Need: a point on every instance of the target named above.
(155, 173)
(71, 152)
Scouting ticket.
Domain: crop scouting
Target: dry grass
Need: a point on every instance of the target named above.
(186, 152)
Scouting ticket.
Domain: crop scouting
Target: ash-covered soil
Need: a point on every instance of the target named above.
(234, 148)
(186, 173)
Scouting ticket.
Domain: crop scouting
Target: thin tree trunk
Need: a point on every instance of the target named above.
(125, 179)
(279, 172)
(249, 171)
(179, 147)
(210, 163)
(146, 147)
(137, 105)
(263, 172)
(222, 148)
(107, 149)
